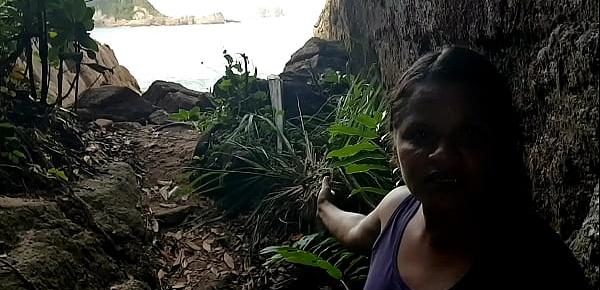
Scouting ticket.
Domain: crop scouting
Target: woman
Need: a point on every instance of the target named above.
(463, 220)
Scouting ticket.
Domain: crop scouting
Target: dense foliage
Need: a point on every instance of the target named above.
(36, 136)
(243, 169)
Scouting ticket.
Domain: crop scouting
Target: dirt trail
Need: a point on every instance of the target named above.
(198, 247)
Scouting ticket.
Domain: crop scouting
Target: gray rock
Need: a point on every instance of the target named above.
(127, 125)
(130, 284)
(159, 117)
(303, 70)
(169, 217)
(172, 96)
(113, 103)
(174, 101)
(50, 249)
(90, 242)
(584, 242)
(103, 123)
(115, 196)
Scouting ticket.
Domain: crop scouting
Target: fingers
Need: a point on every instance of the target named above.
(325, 183)
(326, 187)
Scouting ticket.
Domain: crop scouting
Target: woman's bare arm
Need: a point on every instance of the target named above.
(353, 230)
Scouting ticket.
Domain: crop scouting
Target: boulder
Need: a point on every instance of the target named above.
(302, 72)
(103, 123)
(318, 56)
(170, 217)
(51, 242)
(172, 96)
(159, 117)
(113, 197)
(131, 126)
(103, 70)
(113, 103)
(174, 101)
(584, 242)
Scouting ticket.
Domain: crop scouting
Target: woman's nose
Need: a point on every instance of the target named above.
(445, 152)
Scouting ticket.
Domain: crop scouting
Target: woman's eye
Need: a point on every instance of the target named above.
(472, 136)
(421, 136)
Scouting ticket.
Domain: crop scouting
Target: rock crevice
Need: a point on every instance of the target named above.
(549, 52)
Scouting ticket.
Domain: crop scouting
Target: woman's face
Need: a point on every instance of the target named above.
(444, 147)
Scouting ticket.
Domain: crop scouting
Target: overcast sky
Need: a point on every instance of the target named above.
(238, 9)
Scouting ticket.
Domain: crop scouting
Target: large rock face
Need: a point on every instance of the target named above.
(302, 71)
(172, 96)
(89, 78)
(94, 242)
(113, 103)
(548, 50)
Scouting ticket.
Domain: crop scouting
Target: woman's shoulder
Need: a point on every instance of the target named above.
(390, 203)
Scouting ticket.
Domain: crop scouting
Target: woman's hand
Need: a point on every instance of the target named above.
(325, 194)
(353, 230)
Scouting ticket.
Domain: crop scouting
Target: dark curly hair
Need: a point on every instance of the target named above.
(486, 88)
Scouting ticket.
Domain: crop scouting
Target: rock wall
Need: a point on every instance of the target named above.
(95, 241)
(117, 74)
(549, 52)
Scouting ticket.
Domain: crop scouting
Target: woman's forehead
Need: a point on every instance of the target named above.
(453, 103)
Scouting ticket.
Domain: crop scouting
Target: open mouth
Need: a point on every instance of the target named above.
(443, 179)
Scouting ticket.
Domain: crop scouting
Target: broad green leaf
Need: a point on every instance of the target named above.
(368, 121)
(6, 125)
(296, 256)
(358, 157)
(18, 153)
(304, 241)
(376, 190)
(352, 150)
(359, 168)
(228, 58)
(52, 34)
(238, 67)
(58, 173)
(338, 129)
(225, 85)
(181, 116)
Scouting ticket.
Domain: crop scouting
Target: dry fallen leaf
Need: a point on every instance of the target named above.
(214, 271)
(179, 285)
(193, 246)
(206, 246)
(178, 235)
(184, 263)
(229, 261)
(161, 274)
(155, 225)
(172, 191)
(164, 192)
(165, 182)
(180, 257)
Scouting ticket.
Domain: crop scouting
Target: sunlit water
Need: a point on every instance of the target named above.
(193, 54)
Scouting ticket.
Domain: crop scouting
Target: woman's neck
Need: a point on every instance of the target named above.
(450, 231)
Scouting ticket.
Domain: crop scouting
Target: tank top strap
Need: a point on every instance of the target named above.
(383, 273)
(399, 219)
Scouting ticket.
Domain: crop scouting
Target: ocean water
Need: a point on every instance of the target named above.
(193, 54)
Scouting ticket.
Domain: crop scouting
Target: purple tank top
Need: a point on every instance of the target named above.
(383, 273)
